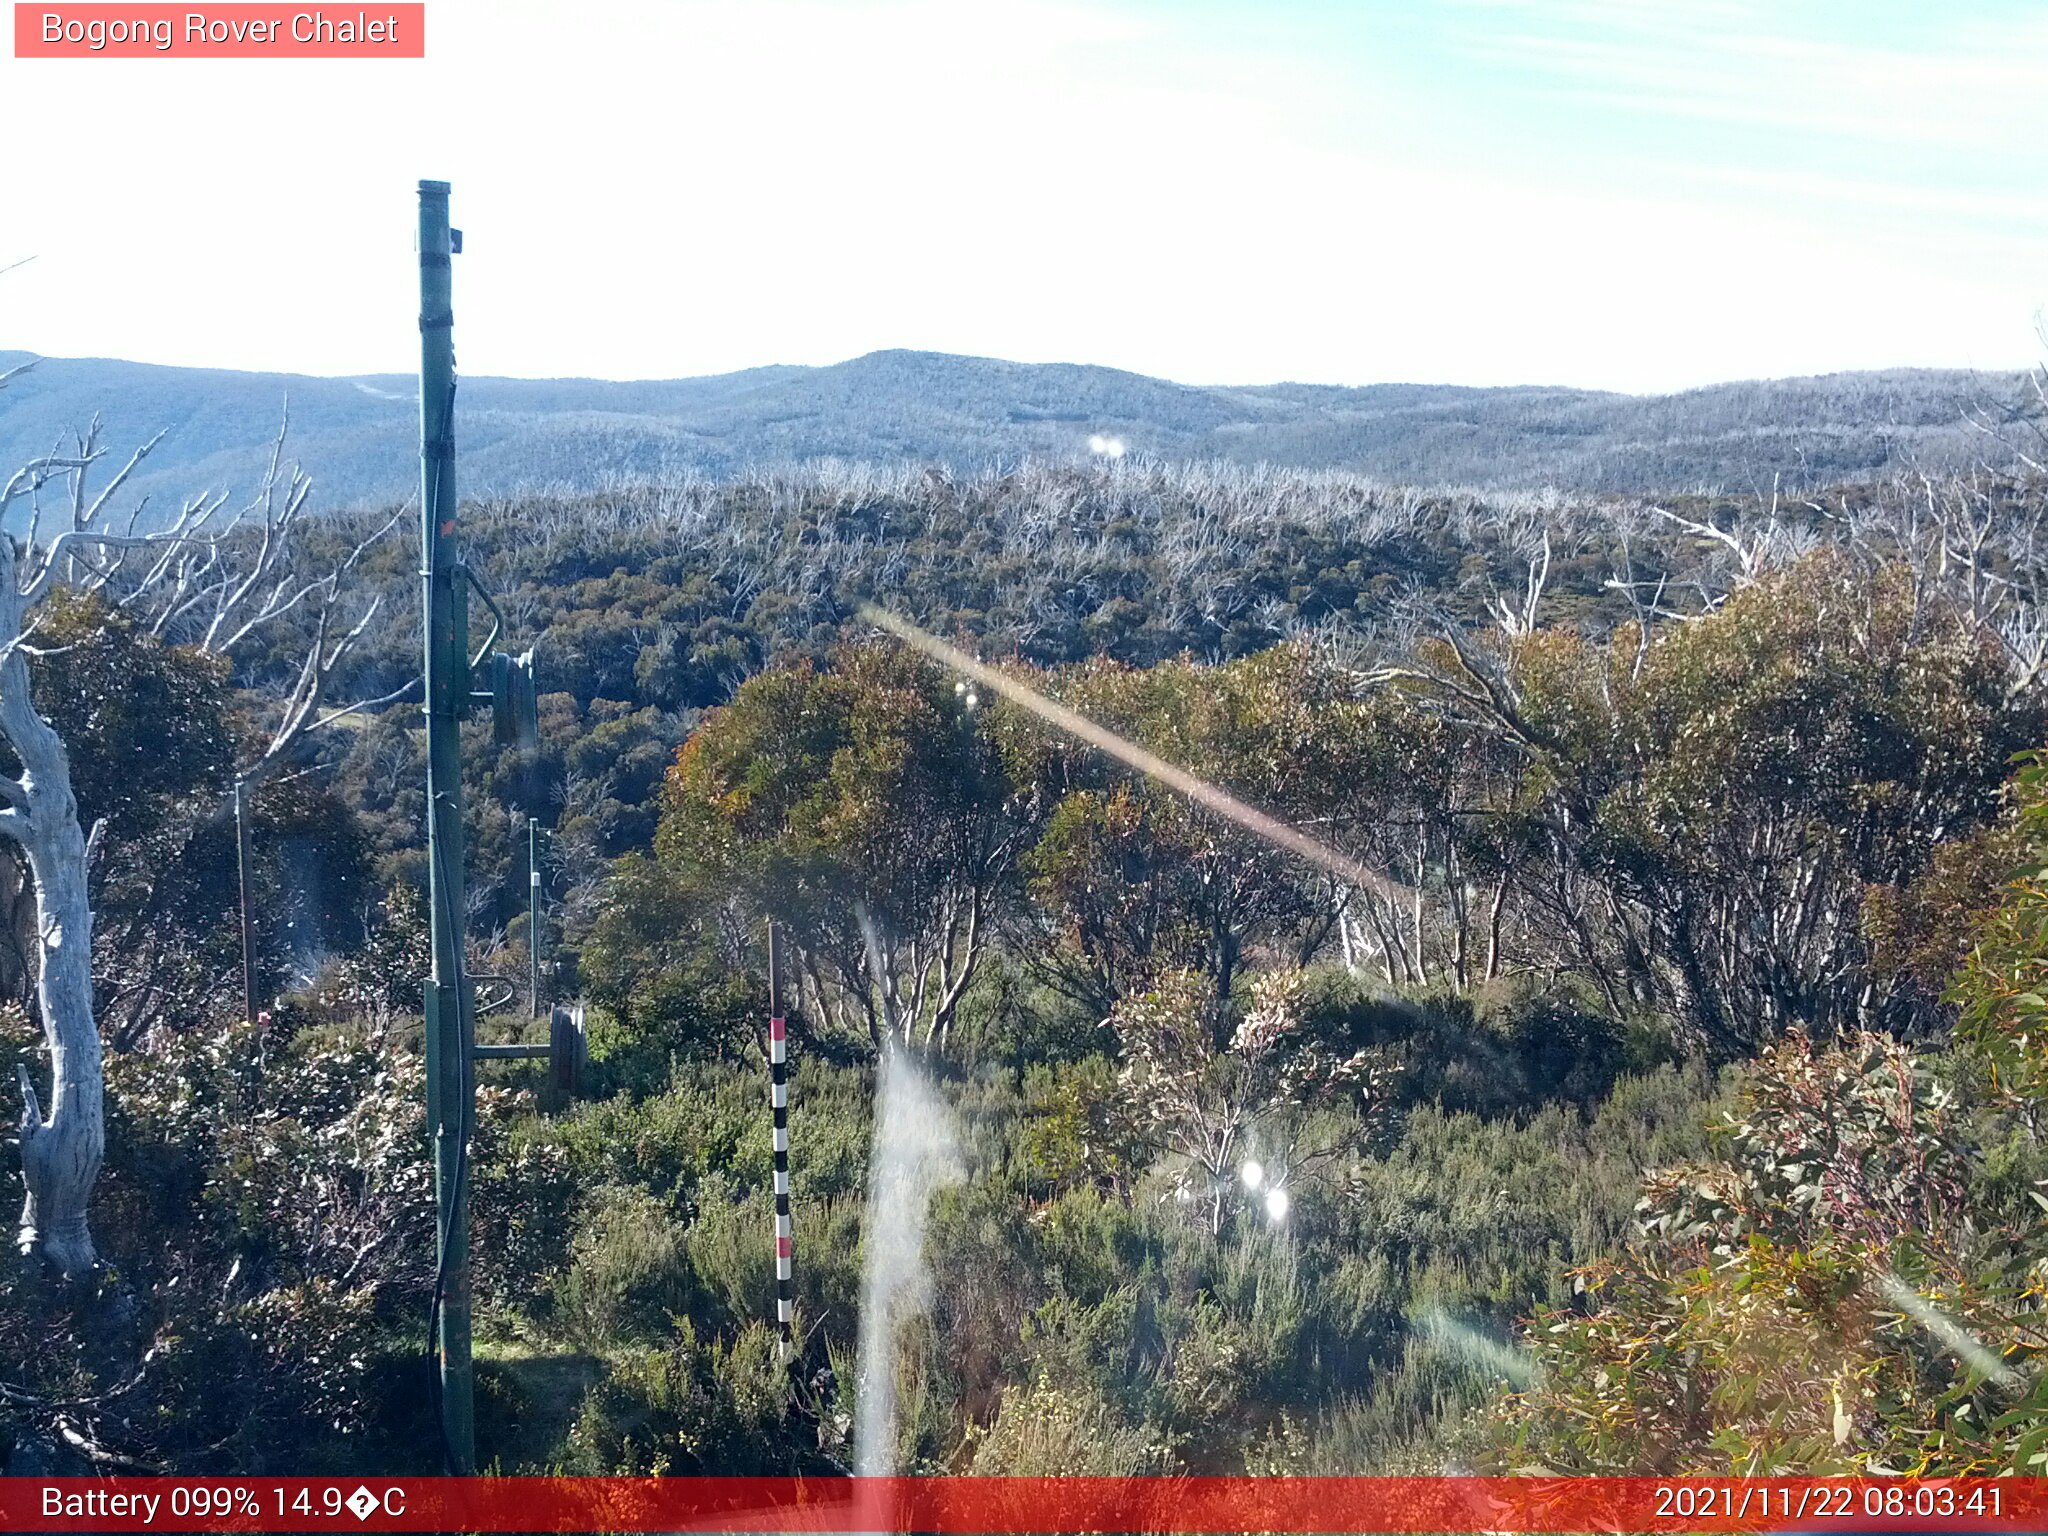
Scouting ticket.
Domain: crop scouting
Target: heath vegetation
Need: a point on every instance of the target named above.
(1663, 1093)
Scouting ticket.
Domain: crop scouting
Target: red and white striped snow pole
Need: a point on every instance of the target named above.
(778, 1098)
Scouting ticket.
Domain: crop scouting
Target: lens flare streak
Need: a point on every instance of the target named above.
(1080, 727)
(1957, 1339)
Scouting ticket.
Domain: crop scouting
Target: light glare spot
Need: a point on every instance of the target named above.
(1253, 1174)
(1517, 1365)
(1106, 446)
(1277, 1204)
(1958, 1339)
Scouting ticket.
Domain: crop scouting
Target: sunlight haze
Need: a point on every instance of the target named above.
(1486, 192)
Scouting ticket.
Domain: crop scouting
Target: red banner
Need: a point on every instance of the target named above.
(999, 1504)
(226, 31)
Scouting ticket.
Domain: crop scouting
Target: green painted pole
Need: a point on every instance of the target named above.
(450, 1002)
(533, 914)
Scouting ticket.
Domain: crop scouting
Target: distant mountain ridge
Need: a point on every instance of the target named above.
(357, 436)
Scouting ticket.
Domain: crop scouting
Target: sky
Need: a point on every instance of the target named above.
(1641, 195)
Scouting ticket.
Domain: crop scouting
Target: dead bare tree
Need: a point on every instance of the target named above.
(1517, 618)
(214, 578)
(1764, 543)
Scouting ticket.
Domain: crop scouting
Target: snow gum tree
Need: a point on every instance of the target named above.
(205, 577)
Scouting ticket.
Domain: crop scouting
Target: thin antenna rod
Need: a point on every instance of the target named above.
(533, 915)
(242, 880)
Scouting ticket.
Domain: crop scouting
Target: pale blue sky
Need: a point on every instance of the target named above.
(1631, 195)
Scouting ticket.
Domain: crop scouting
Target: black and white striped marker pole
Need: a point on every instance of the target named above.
(778, 1098)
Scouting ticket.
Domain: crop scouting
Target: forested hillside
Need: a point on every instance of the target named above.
(355, 436)
(1681, 934)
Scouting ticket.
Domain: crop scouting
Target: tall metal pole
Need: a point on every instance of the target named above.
(242, 879)
(450, 1003)
(533, 914)
(778, 1100)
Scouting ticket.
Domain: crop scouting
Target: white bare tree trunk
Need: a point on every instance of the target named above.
(60, 1154)
(220, 581)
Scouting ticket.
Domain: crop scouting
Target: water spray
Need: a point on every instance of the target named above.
(916, 1154)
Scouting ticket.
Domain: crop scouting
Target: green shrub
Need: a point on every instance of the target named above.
(628, 1276)
(695, 1407)
(1048, 1431)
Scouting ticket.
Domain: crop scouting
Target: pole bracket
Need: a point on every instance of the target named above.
(567, 1049)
